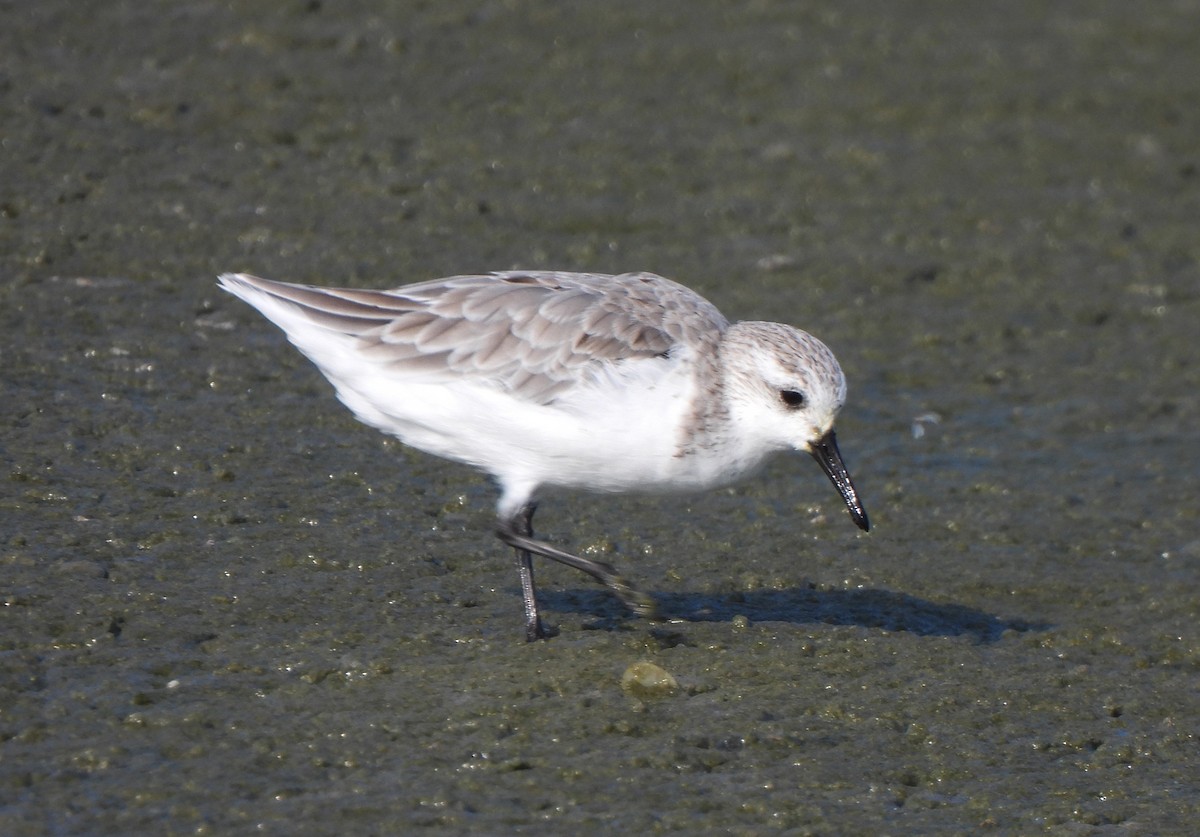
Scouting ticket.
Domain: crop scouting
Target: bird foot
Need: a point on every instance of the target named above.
(641, 604)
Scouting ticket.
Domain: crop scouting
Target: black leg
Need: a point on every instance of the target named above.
(518, 533)
(523, 524)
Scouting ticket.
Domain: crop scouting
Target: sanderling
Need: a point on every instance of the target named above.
(580, 380)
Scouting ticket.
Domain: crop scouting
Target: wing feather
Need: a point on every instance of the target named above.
(533, 333)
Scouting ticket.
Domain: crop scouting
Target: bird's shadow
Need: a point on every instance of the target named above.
(799, 605)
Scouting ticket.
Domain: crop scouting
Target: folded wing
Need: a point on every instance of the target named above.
(535, 334)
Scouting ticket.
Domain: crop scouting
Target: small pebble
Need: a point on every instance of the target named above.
(645, 679)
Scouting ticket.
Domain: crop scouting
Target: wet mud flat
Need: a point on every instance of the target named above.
(228, 607)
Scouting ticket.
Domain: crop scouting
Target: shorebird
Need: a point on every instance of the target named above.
(580, 380)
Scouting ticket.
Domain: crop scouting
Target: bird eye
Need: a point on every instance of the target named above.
(794, 400)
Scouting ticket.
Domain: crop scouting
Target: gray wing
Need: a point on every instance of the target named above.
(533, 333)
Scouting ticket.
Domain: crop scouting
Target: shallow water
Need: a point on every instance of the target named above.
(228, 607)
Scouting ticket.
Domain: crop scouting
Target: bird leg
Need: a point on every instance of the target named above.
(517, 532)
(522, 524)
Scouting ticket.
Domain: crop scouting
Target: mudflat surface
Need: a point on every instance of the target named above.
(227, 607)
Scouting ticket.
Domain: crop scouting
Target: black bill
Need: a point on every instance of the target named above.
(825, 451)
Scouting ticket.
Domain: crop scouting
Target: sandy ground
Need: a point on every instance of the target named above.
(228, 608)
